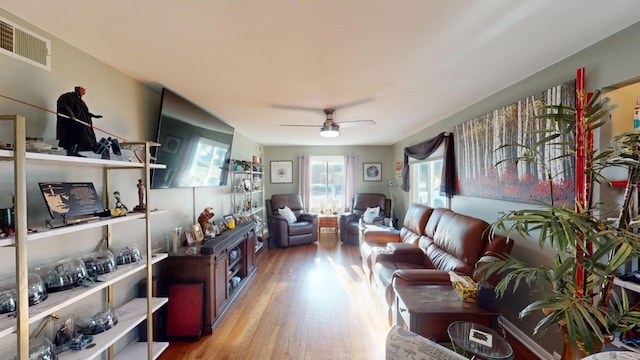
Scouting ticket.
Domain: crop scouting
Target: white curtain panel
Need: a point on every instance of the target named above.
(304, 185)
(349, 181)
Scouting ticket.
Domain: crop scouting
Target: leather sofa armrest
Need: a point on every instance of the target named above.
(381, 237)
(310, 217)
(386, 255)
(421, 277)
(404, 249)
(348, 217)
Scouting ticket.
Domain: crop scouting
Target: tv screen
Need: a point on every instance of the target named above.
(195, 145)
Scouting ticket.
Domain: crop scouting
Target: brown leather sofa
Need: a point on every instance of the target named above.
(284, 234)
(350, 222)
(375, 239)
(431, 243)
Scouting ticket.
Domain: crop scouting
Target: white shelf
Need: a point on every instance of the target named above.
(138, 350)
(627, 285)
(59, 300)
(129, 316)
(131, 313)
(43, 232)
(85, 161)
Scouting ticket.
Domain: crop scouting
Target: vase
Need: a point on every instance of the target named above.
(570, 351)
(575, 351)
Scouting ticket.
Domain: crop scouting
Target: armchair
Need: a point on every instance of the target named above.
(303, 230)
(350, 222)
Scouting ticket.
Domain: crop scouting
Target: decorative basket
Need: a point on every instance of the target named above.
(465, 292)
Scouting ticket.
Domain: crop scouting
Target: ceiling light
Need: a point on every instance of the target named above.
(327, 131)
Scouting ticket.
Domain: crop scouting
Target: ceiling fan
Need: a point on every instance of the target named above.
(331, 128)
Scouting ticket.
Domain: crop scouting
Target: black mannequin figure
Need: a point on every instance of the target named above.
(72, 135)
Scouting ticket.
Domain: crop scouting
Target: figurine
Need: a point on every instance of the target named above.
(205, 218)
(74, 128)
(140, 206)
(120, 209)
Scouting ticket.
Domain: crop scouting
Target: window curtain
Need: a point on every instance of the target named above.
(349, 181)
(422, 151)
(304, 183)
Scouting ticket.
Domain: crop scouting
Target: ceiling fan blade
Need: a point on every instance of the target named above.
(308, 108)
(353, 103)
(293, 107)
(345, 124)
(297, 125)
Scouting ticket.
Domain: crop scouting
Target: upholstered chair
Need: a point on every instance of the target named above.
(350, 222)
(300, 228)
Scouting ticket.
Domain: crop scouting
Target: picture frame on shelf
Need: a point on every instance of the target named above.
(189, 238)
(281, 172)
(198, 234)
(372, 171)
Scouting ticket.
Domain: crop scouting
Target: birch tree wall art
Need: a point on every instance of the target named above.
(482, 171)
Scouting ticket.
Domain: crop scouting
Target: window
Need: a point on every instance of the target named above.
(425, 183)
(326, 177)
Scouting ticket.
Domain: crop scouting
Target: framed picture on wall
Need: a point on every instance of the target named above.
(281, 172)
(372, 171)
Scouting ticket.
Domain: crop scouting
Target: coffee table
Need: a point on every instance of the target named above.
(480, 341)
(428, 310)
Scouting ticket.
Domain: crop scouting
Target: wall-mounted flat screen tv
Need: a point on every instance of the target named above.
(195, 145)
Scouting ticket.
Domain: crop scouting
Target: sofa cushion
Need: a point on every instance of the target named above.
(461, 236)
(287, 214)
(371, 214)
(433, 221)
(300, 228)
(416, 218)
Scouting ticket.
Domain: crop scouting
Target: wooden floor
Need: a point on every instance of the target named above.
(305, 302)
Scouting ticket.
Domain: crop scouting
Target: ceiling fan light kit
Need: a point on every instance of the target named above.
(329, 131)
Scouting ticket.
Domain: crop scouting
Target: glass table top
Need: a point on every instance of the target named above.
(479, 340)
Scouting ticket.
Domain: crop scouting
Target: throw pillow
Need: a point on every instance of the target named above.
(371, 214)
(287, 214)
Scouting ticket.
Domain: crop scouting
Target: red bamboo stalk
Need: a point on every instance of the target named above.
(581, 162)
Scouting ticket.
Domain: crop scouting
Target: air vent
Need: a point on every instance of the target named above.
(24, 45)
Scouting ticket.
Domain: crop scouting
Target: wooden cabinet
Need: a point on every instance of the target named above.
(224, 265)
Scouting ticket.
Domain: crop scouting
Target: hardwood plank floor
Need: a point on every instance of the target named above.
(305, 302)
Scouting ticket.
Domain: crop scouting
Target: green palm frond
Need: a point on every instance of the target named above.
(585, 305)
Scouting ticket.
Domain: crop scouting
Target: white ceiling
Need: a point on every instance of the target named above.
(405, 64)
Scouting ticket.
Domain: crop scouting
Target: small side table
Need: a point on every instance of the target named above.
(327, 221)
(480, 341)
(428, 310)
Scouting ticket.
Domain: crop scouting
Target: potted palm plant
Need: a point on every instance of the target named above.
(576, 288)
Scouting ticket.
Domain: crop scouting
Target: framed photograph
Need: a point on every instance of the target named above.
(227, 218)
(198, 235)
(372, 171)
(282, 172)
(172, 144)
(189, 238)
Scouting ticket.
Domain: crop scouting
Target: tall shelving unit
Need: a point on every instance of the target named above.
(130, 314)
(247, 193)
